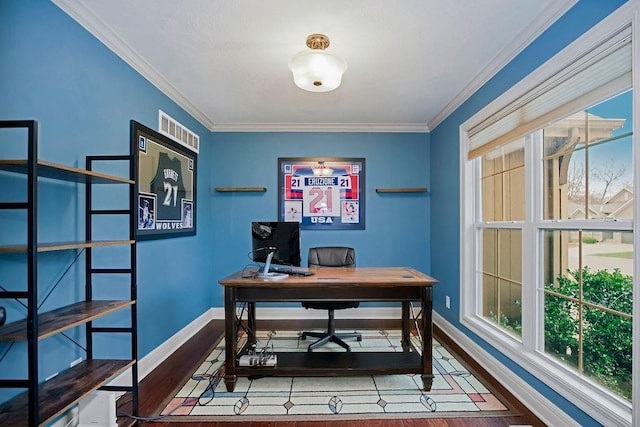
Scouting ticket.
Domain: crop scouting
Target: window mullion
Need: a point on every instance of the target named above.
(530, 253)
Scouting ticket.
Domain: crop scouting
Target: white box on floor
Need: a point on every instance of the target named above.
(98, 410)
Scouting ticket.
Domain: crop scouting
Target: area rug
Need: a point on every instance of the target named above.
(456, 392)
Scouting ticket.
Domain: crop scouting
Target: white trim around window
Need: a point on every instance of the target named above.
(606, 408)
(635, 411)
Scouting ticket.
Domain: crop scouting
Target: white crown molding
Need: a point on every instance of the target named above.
(109, 38)
(321, 127)
(528, 35)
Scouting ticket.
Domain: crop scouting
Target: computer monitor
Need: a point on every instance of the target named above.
(282, 239)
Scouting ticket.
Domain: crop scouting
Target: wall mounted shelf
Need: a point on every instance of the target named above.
(402, 190)
(240, 189)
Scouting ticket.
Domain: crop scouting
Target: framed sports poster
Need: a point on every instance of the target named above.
(322, 193)
(166, 196)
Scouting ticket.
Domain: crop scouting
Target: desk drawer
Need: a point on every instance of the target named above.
(331, 293)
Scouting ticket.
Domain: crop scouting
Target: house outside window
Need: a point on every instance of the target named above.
(547, 235)
(502, 198)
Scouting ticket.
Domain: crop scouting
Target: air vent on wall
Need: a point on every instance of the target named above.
(174, 130)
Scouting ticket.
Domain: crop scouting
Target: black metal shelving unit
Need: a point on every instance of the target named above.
(42, 402)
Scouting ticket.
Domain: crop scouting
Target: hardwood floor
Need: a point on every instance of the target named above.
(173, 372)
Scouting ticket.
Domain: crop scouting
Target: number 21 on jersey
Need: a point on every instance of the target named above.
(321, 201)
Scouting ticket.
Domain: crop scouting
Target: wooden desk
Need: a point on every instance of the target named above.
(399, 284)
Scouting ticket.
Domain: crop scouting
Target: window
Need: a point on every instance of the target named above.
(502, 199)
(501, 278)
(548, 208)
(587, 243)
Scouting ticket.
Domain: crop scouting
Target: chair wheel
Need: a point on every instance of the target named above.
(359, 338)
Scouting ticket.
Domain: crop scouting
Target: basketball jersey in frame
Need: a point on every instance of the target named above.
(168, 186)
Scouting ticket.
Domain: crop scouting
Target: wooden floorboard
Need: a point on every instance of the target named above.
(165, 380)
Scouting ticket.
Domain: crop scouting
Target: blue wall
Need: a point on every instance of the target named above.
(445, 167)
(84, 96)
(397, 225)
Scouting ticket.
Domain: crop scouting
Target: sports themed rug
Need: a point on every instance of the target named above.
(456, 392)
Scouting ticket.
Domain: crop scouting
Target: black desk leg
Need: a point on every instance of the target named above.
(230, 336)
(427, 338)
(251, 323)
(406, 330)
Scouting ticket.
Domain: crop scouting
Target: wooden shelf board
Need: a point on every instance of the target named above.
(327, 364)
(62, 246)
(62, 172)
(240, 189)
(63, 391)
(61, 319)
(402, 190)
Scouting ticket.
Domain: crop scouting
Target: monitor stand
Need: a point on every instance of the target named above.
(266, 274)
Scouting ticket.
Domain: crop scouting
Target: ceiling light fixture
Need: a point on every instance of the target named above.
(316, 70)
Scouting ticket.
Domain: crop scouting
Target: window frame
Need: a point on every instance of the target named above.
(607, 408)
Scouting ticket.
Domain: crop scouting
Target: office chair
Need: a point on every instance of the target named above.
(331, 256)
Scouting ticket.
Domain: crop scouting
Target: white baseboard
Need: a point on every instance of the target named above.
(543, 408)
(158, 355)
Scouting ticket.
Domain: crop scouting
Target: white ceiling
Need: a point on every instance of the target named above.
(410, 62)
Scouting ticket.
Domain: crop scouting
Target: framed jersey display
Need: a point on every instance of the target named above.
(166, 185)
(322, 193)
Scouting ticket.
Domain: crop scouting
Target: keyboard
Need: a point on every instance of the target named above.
(289, 269)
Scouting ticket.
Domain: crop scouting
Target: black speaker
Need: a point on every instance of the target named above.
(3, 315)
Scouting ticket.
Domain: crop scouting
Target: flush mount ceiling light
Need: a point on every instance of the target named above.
(316, 70)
